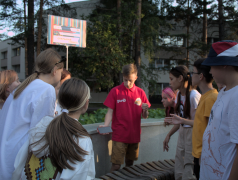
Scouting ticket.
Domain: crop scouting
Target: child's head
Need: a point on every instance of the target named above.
(64, 76)
(179, 76)
(223, 59)
(201, 73)
(129, 72)
(74, 95)
(168, 97)
(8, 82)
(63, 132)
(179, 79)
(49, 63)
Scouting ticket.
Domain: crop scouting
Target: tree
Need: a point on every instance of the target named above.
(24, 25)
(105, 20)
(138, 42)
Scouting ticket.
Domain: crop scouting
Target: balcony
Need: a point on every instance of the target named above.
(3, 62)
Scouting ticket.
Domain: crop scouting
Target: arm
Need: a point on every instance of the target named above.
(178, 120)
(108, 119)
(167, 138)
(234, 172)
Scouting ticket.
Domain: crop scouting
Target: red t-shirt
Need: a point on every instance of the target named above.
(126, 105)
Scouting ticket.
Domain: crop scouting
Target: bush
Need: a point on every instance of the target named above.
(99, 115)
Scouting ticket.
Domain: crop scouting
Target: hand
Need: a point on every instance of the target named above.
(144, 106)
(174, 119)
(166, 143)
(102, 126)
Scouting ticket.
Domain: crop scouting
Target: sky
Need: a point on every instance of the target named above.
(11, 33)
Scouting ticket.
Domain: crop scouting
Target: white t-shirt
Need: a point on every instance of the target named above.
(83, 170)
(58, 109)
(220, 137)
(18, 116)
(194, 100)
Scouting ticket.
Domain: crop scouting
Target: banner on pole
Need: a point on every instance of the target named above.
(66, 31)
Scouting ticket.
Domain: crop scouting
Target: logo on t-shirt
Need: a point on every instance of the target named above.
(123, 100)
(138, 101)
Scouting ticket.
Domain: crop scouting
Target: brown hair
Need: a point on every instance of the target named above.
(63, 130)
(129, 69)
(44, 64)
(183, 71)
(205, 70)
(7, 77)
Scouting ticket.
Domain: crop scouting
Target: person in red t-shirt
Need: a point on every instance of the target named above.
(126, 103)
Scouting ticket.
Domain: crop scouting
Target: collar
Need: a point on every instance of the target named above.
(132, 89)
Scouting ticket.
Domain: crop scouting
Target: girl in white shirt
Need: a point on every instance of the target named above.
(32, 100)
(186, 104)
(8, 82)
(61, 145)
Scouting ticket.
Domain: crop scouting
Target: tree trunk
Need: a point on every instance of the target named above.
(188, 24)
(39, 28)
(221, 20)
(138, 42)
(204, 24)
(25, 29)
(119, 32)
(30, 37)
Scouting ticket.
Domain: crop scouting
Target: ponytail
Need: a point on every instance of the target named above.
(178, 71)
(44, 64)
(24, 84)
(61, 138)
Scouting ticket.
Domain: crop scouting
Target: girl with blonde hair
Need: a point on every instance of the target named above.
(33, 99)
(8, 82)
(61, 144)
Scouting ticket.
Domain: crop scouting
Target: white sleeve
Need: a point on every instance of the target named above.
(20, 161)
(82, 170)
(194, 99)
(44, 106)
(233, 123)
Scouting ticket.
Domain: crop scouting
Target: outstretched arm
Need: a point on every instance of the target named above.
(174, 119)
(108, 119)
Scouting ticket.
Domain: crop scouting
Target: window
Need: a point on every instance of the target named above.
(171, 41)
(156, 89)
(4, 55)
(16, 68)
(4, 68)
(163, 63)
(16, 52)
(211, 40)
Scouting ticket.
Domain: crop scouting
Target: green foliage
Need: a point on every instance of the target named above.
(108, 47)
(156, 113)
(99, 115)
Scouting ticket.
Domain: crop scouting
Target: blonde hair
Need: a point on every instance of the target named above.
(129, 69)
(7, 77)
(44, 64)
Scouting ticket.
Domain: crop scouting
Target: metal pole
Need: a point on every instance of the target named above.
(67, 50)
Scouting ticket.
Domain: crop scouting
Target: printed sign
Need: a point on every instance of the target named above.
(66, 31)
